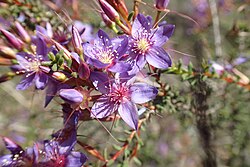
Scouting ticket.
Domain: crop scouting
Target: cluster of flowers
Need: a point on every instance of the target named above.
(96, 78)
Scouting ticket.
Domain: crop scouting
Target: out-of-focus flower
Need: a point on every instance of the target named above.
(201, 12)
(105, 53)
(145, 44)
(220, 69)
(29, 64)
(120, 95)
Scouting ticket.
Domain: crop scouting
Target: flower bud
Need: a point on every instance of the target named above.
(5, 62)
(77, 40)
(22, 32)
(6, 77)
(59, 76)
(109, 11)
(83, 71)
(108, 22)
(7, 52)
(161, 4)
(13, 40)
(71, 96)
(66, 53)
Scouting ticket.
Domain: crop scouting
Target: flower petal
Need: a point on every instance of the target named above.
(128, 111)
(51, 91)
(168, 30)
(12, 146)
(6, 161)
(103, 107)
(137, 64)
(41, 48)
(104, 40)
(141, 24)
(26, 81)
(162, 34)
(95, 62)
(41, 80)
(120, 46)
(142, 93)
(100, 81)
(22, 59)
(76, 159)
(158, 58)
(120, 67)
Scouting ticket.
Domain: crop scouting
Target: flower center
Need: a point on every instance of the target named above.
(119, 93)
(33, 63)
(106, 57)
(34, 66)
(143, 45)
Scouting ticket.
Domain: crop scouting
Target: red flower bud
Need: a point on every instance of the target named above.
(109, 11)
(13, 40)
(120, 6)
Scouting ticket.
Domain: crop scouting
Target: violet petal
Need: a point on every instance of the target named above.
(41, 80)
(120, 67)
(100, 81)
(12, 146)
(76, 159)
(128, 112)
(103, 107)
(41, 48)
(158, 58)
(142, 93)
(26, 81)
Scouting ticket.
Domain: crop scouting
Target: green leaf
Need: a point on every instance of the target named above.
(117, 147)
(137, 161)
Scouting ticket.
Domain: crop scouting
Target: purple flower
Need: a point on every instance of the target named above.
(120, 95)
(18, 156)
(220, 69)
(52, 154)
(29, 64)
(105, 53)
(146, 43)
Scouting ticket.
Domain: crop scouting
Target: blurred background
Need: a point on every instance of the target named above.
(213, 30)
